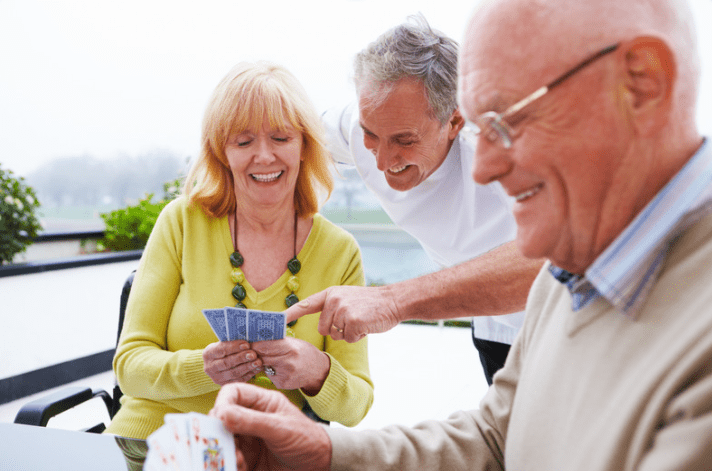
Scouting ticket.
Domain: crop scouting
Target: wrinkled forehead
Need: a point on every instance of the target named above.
(487, 82)
(511, 48)
(493, 77)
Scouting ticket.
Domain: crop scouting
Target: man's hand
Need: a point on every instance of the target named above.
(350, 312)
(270, 432)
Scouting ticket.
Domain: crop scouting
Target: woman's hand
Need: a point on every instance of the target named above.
(229, 362)
(296, 363)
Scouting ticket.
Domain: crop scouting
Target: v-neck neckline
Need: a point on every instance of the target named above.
(258, 297)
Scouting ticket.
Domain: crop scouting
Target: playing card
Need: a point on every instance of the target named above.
(212, 446)
(179, 428)
(265, 325)
(191, 441)
(236, 323)
(162, 451)
(216, 319)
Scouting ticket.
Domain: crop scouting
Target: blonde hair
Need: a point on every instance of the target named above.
(249, 93)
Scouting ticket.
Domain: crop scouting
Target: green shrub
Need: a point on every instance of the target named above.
(18, 223)
(128, 228)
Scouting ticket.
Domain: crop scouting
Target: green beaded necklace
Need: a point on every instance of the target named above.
(238, 277)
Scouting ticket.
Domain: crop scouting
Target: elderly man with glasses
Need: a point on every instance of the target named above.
(612, 370)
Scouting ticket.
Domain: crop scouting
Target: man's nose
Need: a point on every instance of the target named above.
(385, 156)
(490, 163)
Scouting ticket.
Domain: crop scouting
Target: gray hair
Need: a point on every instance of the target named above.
(415, 50)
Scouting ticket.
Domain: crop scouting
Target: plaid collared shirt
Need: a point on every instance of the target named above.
(626, 271)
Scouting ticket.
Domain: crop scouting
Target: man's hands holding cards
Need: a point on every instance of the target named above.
(250, 428)
(271, 433)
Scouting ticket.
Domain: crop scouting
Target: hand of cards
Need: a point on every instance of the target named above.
(189, 442)
(232, 323)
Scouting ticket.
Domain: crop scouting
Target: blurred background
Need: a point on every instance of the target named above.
(101, 102)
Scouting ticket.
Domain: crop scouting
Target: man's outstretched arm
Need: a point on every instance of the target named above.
(492, 284)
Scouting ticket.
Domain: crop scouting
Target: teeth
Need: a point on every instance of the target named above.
(397, 169)
(266, 177)
(527, 194)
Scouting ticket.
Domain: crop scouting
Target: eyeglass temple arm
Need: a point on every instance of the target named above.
(583, 64)
(543, 90)
(524, 102)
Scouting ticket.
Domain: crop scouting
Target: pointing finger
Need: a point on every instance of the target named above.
(310, 305)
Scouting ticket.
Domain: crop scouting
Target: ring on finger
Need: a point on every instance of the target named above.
(270, 371)
(341, 331)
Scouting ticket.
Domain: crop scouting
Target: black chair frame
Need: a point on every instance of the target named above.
(39, 411)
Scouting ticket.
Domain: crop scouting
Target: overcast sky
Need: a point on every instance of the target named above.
(92, 77)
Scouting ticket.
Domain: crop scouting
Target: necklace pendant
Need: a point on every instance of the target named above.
(237, 276)
(236, 259)
(239, 293)
(291, 300)
(294, 265)
(293, 283)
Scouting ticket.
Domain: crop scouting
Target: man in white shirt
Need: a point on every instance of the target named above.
(405, 137)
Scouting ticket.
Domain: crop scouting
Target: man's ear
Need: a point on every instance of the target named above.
(456, 123)
(649, 78)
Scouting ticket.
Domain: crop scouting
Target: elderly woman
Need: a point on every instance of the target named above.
(246, 232)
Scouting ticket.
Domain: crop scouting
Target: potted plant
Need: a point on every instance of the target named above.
(18, 222)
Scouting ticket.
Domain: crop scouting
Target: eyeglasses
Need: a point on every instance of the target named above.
(493, 126)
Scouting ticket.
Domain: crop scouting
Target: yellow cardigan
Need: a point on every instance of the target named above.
(185, 268)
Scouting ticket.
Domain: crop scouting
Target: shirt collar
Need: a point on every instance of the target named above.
(626, 271)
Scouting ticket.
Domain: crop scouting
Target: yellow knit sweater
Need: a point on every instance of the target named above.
(184, 269)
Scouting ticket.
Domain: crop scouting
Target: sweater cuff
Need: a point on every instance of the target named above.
(195, 379)
(332, 389)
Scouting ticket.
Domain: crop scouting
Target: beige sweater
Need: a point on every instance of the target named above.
(591, 390)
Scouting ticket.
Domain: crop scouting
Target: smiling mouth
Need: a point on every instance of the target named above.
(528, 194)
(266, 177)
(397, 170)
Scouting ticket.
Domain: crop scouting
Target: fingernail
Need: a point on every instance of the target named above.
(250, 356)
(244, 346)
(255, 365)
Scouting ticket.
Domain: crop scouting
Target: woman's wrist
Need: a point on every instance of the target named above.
(314, 386)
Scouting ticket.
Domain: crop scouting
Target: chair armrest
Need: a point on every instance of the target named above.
(39, 411)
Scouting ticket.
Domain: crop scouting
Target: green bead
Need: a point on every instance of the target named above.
(236, 259)
(237, 276)
(291, 300)
(239, 293)
(263, 381)
(241, 304)
(293, 283)
(294, 265)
